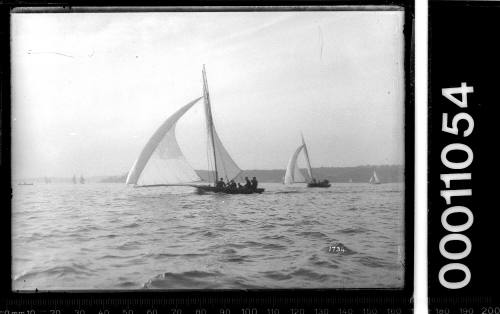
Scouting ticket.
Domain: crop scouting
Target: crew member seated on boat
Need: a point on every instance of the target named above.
(220, 184)
(248, 184)
(240, 187)
(232, 185)
(313, 180)
(254, 183)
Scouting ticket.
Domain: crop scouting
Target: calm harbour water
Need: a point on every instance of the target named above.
(110, 236)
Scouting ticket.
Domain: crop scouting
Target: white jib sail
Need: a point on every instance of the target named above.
(293, 173)
(226, 167)
(224, 164)
(161, 161)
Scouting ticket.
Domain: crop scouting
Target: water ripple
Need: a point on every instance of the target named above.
(110, 236)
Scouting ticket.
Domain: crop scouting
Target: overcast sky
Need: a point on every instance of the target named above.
(90, 89)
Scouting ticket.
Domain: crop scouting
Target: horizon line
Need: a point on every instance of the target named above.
(274, 169)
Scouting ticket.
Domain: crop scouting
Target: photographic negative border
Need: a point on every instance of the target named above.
(397, 300)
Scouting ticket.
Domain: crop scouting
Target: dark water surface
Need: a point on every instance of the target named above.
(110, 236)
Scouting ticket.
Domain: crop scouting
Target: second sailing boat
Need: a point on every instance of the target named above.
(293, 173)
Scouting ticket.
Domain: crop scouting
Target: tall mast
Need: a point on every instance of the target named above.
(307, 156)
(210, 122)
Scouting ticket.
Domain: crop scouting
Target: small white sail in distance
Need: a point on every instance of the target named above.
(293, 173)
(374, 179)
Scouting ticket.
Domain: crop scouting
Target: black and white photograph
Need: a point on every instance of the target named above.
(208, 149)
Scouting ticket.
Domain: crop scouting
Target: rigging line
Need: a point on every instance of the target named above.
(212, 134)
(208, 158)
(208, 111)
(212, 173)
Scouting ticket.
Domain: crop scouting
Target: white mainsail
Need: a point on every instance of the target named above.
(293, 173)
(161, 161)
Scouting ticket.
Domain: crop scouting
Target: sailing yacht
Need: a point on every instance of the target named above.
(161, 162)
(293, 173)
(374, 178)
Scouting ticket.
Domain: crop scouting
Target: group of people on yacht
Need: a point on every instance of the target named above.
(250, 185)
(320, 181)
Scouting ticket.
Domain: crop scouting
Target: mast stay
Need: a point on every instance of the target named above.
(210, 122)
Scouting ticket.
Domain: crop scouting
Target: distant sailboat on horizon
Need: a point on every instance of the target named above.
(161, 162)
(374, 178)
(82, 180)
(293, 173)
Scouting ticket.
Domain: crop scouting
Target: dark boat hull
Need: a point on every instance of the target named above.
(212, 189)
(318, 185)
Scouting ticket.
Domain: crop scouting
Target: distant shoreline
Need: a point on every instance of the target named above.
(358, 174)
